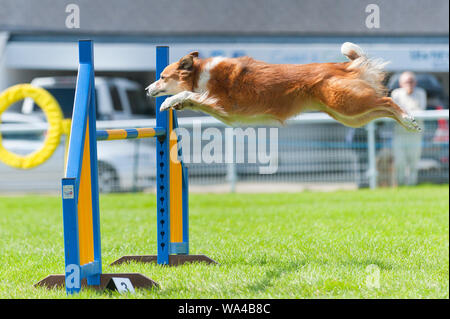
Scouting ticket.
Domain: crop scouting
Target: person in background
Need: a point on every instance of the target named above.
(407, 146)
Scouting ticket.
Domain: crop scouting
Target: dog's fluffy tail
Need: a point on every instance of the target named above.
(352, 51)
(370, 70)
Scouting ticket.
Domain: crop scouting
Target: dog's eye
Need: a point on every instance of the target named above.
(162, 77)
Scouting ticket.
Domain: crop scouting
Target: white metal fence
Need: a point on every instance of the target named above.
(312, 149)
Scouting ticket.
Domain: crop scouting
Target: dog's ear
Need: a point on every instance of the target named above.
(187, 61)
(194, 54)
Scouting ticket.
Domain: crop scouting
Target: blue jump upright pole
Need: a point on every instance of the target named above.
(80, 186)
(162, 171)
(171, 191)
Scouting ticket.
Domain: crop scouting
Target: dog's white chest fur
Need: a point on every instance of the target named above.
(205, 75)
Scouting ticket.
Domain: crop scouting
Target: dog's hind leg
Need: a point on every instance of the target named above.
(360, 120)
(358, 104)
(400, 115)
(363, 119)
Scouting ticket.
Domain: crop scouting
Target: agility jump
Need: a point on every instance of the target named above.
(80, 195)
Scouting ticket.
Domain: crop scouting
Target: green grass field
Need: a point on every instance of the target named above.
(305, 245)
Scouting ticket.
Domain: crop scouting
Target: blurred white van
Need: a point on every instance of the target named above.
(116, 98)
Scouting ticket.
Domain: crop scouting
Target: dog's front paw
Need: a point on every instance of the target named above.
(167, 104)
(173, 102)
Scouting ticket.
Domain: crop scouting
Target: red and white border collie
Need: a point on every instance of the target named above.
(245, 91)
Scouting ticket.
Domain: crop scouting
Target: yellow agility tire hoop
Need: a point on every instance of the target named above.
(54, 116)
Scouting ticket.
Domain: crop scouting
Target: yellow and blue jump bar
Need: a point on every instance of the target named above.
(131, 133)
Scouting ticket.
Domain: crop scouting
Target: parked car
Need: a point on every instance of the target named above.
(129, 165)
(116, 98)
